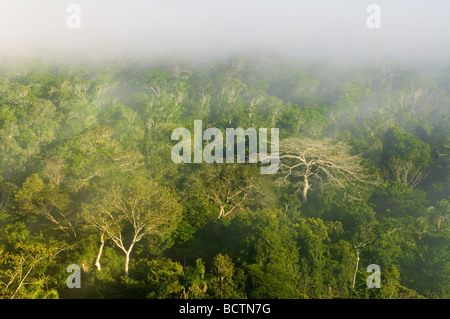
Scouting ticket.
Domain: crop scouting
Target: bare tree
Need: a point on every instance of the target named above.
(406, 172)
(307, 161)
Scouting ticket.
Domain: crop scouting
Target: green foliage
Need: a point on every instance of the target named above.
(23, 270)
(222, 285)
(86, 177)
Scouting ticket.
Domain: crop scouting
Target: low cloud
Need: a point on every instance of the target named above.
(411, 31)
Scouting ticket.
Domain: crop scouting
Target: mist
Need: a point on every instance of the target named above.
(411, 32)
(95, 179)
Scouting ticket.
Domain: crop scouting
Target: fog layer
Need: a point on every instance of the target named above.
(411, 31)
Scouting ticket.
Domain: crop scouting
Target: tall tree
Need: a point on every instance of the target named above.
(307, 161)
(406, 157)
(222, 285)
(127, 212)
(46, 200)
(229, 186)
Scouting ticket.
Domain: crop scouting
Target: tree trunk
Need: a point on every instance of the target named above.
(356, 268)
(221, 213)
(127, 261)
(306, 187)
(102, 243)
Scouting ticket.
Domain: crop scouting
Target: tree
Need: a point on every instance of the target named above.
(93, 154)
(363, 236)
(160, 278)
(22, 271)
(164, 104)
(222, 285)
(7, 191)
(195, 285)
(230, 106)
(406, 156)
(229, 186)
(315, 120)
(312, 239)
(127, 212)
(304, 161)
(274, 268)
(47, 200)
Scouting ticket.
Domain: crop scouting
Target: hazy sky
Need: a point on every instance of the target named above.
(410, 30)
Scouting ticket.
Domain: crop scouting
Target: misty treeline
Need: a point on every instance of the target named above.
(86, 178)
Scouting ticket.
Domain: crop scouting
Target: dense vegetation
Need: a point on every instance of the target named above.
(86, 178)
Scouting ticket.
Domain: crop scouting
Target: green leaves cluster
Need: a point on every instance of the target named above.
(86, 177)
